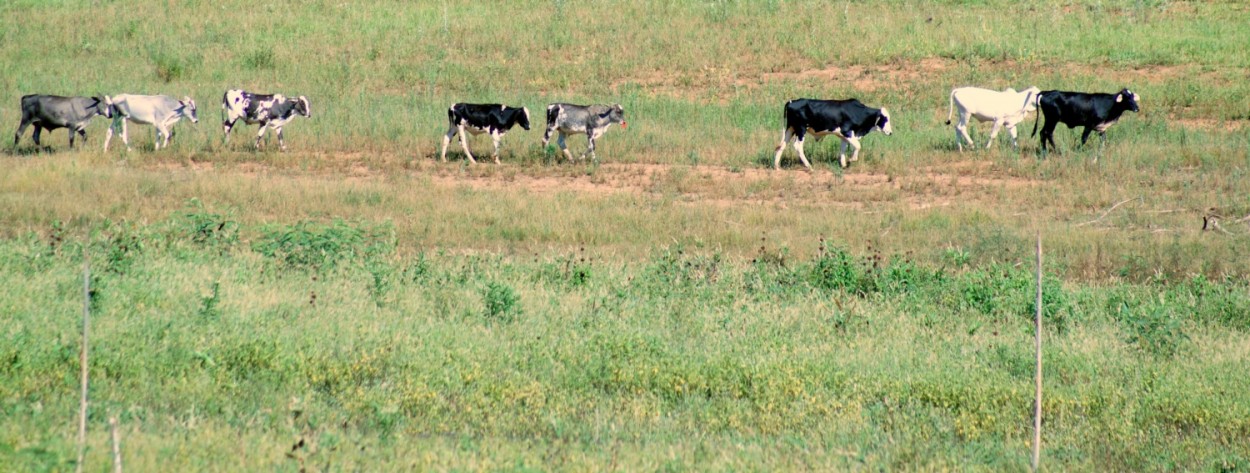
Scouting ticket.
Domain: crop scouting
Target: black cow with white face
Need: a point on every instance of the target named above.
(473, 118)
(849, 120)
(49, 112)
(1095, 112)
(268, 111)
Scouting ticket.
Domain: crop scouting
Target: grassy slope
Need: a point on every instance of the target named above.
(915, 380)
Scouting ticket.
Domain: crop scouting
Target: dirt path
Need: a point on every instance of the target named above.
(917, 188)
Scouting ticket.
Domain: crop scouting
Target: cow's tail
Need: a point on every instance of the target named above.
(951, 111)
(1038, 117)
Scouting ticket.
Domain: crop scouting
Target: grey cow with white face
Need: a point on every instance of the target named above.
(591, 120)
(49, 112)
(161, 111)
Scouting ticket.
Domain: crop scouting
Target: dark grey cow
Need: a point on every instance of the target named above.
(49, 112)
(591, 120)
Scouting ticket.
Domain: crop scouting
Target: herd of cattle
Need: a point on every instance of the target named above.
(848, 120)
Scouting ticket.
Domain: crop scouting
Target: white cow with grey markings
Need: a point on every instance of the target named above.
(160, 111)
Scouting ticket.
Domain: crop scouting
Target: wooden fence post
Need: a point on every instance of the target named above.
(82, 361)
(1037, 401)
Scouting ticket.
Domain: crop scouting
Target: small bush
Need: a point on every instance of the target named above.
(171, 66)
(260, 59)
(567, 270)
(324, 246)
(835, 268)
(208, 304)
(502, 303)
(674, 268)
(1155, 329)
(121, 244)
(205, 229)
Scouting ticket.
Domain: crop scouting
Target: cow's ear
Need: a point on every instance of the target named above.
(1119, 98)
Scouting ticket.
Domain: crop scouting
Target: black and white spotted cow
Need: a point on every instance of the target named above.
(49, 112)
(494, 119)
(849, 120)
(268, 111)
(1095, 112)
(591, 120)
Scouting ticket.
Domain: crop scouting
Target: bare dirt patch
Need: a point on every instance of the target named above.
(865, 78)
(1209, 124)
(920, 188)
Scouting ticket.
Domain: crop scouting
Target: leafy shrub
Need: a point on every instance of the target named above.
(208, 304)
(120, 245)
(324, 246)
(674, 268)
(567, 270)
(1155, 329)
(1223, 302)
(206, 229)
(1005, 291)
(260, 59)
(169, 65)
(502, 303)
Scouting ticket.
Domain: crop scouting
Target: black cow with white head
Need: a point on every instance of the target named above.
(849, 120)
(268, 111)
(1095, 112)
(475, 119)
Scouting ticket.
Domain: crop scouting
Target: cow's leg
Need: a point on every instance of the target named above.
(961, 133)
(1048, 136)
(591, 136)
(1085, 135)
(495, 136)
(226, 126)
(21, 128)
(798, 146)
(547, 134)
(451, 132)
(79, 131)
(854, 142)
(786, 135)
(1102, 143)
(998, 125)
(36, 134)
(564, 147)
(281, 139)
(260, 134)
(163, 130)
(125, 135)
(464, 143)
(1011, 130)
(108, 136)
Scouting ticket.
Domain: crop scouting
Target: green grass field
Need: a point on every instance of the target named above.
(355, 305)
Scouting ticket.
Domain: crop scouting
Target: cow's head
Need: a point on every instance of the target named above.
(189, 110)
(616, 114)
(883, 122)
(523, 118)
(302, 107)
(1030, 98)
(104, 106)
(1126, 95)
